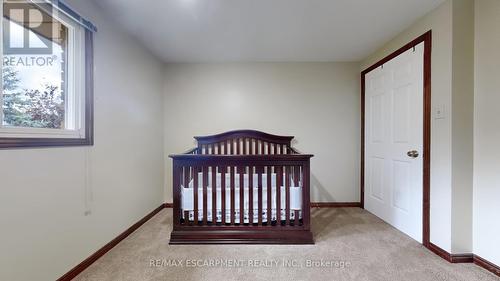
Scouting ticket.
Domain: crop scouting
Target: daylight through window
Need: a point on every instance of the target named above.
(44, 86)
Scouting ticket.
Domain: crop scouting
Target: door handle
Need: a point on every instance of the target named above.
(412, 153)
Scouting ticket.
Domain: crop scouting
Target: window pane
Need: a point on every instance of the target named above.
(34, 68)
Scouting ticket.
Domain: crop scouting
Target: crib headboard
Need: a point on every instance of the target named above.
(244, 142)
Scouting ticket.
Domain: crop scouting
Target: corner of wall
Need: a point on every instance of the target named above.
(462, 115)
(486, 191)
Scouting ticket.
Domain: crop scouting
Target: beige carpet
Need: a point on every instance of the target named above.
(358, 245)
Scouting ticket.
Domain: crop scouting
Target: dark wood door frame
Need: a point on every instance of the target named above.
(427, 39)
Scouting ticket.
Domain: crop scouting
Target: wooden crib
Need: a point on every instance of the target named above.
(228, 190)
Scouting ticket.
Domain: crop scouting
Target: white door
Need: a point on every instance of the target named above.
(393, 137)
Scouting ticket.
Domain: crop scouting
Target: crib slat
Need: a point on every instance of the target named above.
(223, 193)
(305, 196)
(287, 194)
(241, 171)
(214, 194)
(296, 175)
(186, 185)
(297, 181)
(205, 185)
(238, 147)
(229, 144)
(269, 195)
(250, 195)
(261, 144)
(279, 178)
(246, 149)
(195, 194)
(296, 221)
(177, 177)
(259, 191)
(233, 207)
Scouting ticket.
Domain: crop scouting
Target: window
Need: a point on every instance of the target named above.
(47, 81)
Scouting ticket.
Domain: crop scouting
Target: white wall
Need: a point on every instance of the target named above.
(487, 131)
(462, 114)
(45, 192)
(440, 22)
(318, 103)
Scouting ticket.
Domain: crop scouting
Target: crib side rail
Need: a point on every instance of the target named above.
(242, 191)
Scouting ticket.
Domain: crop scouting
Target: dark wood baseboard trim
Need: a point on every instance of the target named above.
(90, 260)
(335, 204)
(315, 204)
(495, 269)
(453, 258)
(440, 252)
(462, 258)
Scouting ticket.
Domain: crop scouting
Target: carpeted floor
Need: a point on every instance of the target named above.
(352, 243)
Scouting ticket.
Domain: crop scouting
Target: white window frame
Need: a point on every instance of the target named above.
(75, 92)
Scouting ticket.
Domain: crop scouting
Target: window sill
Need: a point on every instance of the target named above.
(17, 132)
(38, 137)
(44, 142)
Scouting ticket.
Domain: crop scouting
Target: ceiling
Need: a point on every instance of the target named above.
(265, 30)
